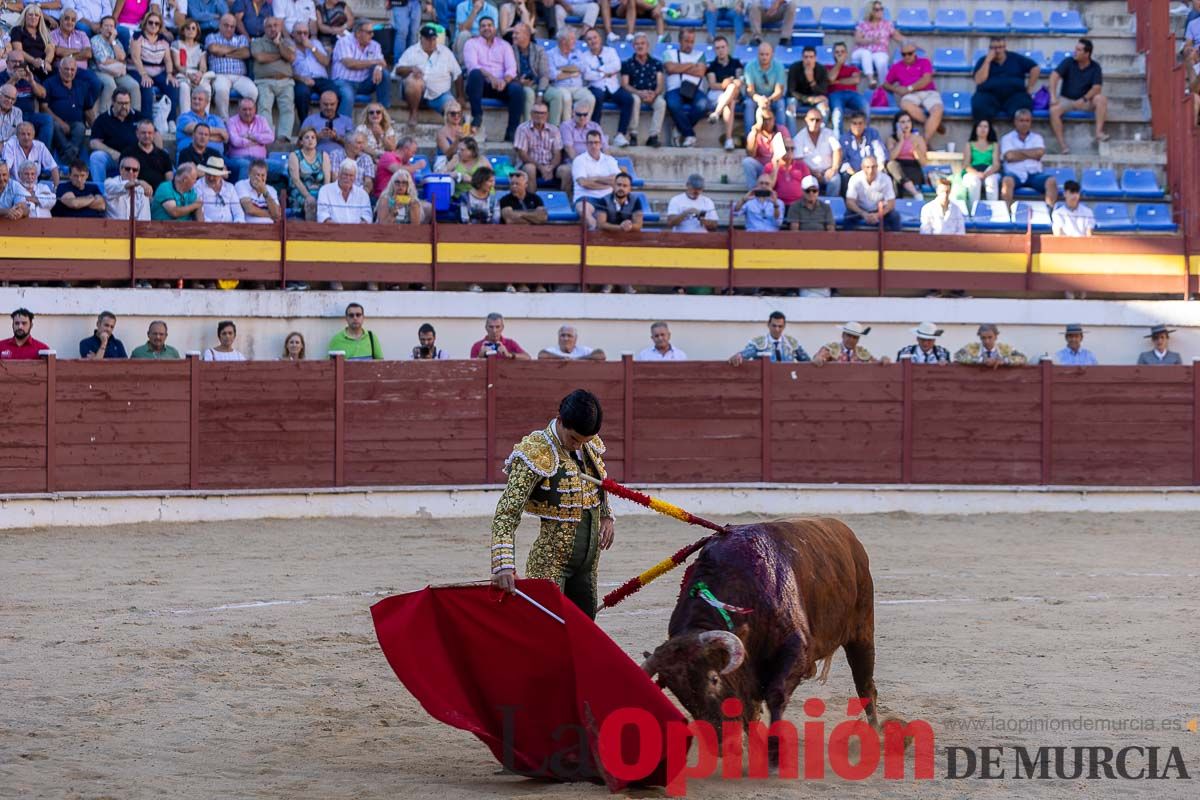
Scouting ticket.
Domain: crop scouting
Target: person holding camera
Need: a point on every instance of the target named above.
(494, 345)
(692, 211)
(761, 206)
(427, 349)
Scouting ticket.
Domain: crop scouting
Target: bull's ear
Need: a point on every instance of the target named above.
(645, 654)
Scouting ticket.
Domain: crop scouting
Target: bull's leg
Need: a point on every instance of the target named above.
(861, 657)
(789, 668)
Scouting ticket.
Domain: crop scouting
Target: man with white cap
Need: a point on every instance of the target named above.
(847, 351)
(220, 198)
(811, 213)
(926, 350)
(1161, 355)
(1074, 355)
(988, 352)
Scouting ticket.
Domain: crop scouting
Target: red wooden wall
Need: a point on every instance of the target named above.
(192, 425)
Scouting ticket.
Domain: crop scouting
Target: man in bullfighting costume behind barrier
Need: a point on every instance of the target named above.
(543, 481)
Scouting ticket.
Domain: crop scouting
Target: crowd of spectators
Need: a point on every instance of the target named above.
(357, 342)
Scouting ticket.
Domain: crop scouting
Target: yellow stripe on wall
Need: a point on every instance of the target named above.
(1108, 264)
(208, 250)
(57, 247)
(658, 257)
(496, 253)
(867, 260)
(360, 252)
(920, 261)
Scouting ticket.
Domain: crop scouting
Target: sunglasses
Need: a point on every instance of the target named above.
(454, 113)
(130, 169)
(584, 114)
(812, 191)
(909, 53)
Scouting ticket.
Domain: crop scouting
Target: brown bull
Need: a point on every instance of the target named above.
(793, 592)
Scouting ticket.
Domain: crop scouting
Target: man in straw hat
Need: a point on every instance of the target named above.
(1074, 355)
(220, 198)
(847, 351)
(988, 352)
(1161, 355)
(926, 350)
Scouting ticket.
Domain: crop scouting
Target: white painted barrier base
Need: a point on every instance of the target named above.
(714, 500)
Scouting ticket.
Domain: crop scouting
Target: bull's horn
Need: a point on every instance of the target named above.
(731, 644)
(649, 666)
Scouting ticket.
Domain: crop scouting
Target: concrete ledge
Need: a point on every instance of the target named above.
(716, 501)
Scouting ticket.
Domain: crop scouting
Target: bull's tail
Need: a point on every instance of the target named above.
(824, 676)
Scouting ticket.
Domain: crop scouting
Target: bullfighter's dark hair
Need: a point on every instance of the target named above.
(580, 411)
(777, 315)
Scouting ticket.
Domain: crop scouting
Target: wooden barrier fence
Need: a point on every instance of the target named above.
(140, 425)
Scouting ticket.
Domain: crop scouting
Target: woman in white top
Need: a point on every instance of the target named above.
(226, 333)
(190, 62)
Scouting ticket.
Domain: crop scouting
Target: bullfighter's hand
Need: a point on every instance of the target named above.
(607, 532)
(506, 580)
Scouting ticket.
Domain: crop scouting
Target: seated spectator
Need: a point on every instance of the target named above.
(631, 9)
(274, 76)
(258, 199)
(811, 214)
(858, 140)
(150, 55)
(539, 151)
(661, 349)
(870, 197)
(199, 114)
(819, 148)
(249, 135)
(156, 346)
(911, 80)
(771, 11)
(334, 18)
(112, 69)
(907, 156)
(228, 52)
(467, 158)
(224, 351)
(330, 126)
(117, 192)
(872, 40)
(724, 87)
(427, 349)
(564, 88)
(355, 142)
(297, 14)
(1077, 84)
(981, 171)
(988, 352)
(189, 62)
(588, 10)
(113, 132)
(310, 70)
(355, 340)
(692, 211)
(643, 77)
(359, 68)
(378, 130)
(495, 344)
(620, 210)
(574, 132)
(40, 197)
(398, 203)
(602, 74)
(1021, 150)
(102, 343)
(12, 207)
(480, 206)
(344, 201)
(1072, 218)
(30, 38)
(28, 88)
(468, 19)
(1004, 82)
(491, 68)
(72, 42)
(208, 13)
(1074, 354)
(808, 84)
(22, 346)
(293, 347)
(761, 206)
(78, 197)
(219, 198)
(154, 164)
(926, 350)
(69, 100)
(252, 16)
(848, 351)
(1161, 355)
(687, 98)
(569, 349)
(26, 148)
(844, 80)
(428, 72)
(775, 346)
(177, 198)
(940, 216)
(10, 114)
(403, 157)
(727, 13)
(533, 69)
(91, 14)
(198, 151)
(594, 173)
(765, 144)
(787, 178)
(522, 206)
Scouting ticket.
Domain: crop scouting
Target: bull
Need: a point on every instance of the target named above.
(759, 609)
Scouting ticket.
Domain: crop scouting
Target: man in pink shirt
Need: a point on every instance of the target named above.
(249, 135)
(491, 68)
(911, 80)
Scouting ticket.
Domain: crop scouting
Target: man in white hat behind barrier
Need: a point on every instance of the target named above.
(926, 350)
(1074, 354)
(220, 198)
(847, 351)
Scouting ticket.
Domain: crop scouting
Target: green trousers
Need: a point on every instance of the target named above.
(578, 581)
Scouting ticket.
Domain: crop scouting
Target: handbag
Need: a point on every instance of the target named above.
(1041, 99)
(687, 89)
(879, 99)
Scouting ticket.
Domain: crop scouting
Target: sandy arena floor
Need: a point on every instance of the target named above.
(238, 660)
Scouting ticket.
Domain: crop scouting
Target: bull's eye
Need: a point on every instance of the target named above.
(714, 680)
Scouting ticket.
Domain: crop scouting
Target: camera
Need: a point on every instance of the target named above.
(762, 192)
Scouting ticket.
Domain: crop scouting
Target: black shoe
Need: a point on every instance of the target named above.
(633, 140)
(653, 142)
(785, 41)
(756, 41)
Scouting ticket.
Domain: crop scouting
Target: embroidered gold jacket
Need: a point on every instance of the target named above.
(861, 354)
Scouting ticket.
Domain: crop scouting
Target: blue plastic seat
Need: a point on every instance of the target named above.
(990, 215)
(935, 172)
(490, 102)
(1153, 218)
(910, 212)
(1022, 212)
(625, 50)
(1062, 175)
(806, 18)
(957, 105)
(1028, 22)
(1067, 23)
(790, 55)
(914, 20)
(626, 165)
(558, 207)
(825, 54)
(660, 49)
(1113, 218)
(838, 206)
(951, 59)
(1038, 57)
(1100, 183)
(951, 20)
(1059, 56)
(497, 162)
(989, 20)
(549, 44)
(837, 18)
(1141, 184)
(648, 213)
(977, 56)
(746, 53)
